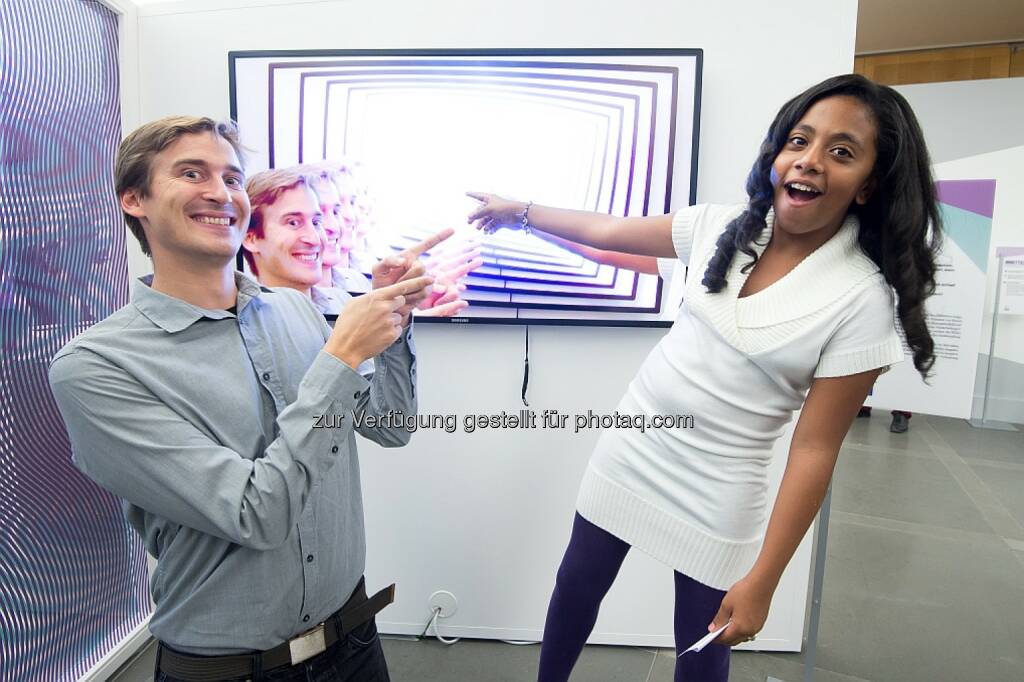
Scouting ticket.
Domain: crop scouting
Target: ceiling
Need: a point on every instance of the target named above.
(892, 25)
(882, 25)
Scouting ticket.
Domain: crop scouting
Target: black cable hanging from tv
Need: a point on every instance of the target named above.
(526, 367)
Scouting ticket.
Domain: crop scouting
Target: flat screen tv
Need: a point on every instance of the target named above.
(608, 130)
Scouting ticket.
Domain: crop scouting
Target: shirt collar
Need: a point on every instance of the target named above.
(173, 314)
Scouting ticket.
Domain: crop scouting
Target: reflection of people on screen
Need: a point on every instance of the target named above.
(333, 191)
(367, 245)
(360, 245)
(349, 272)
(338, 218)
(449, 268)
(285, 243)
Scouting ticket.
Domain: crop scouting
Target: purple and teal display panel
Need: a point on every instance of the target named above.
(72, 573)
(967, 207)
(314, 106)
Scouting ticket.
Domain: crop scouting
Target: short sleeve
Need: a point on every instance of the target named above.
(866, 338)
(683, 224)
(695, 230)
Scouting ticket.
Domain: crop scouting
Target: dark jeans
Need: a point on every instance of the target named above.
(358, 657)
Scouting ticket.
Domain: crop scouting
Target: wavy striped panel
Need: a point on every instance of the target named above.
(72, 573)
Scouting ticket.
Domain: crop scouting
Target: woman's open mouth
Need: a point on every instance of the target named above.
(801, 193)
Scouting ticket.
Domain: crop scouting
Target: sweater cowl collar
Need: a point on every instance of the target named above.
(823, 277)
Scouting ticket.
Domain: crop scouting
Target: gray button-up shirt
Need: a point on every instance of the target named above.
(203, 422)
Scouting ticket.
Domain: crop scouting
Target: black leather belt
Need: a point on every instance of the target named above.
(356, 611)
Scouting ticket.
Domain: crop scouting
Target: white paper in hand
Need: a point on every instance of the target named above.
(705, 640)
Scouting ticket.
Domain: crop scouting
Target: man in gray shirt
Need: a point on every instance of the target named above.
(198, 404)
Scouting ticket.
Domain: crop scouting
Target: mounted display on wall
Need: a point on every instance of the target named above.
(614, 131)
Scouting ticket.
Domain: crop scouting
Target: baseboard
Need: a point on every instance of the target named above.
(1000, 409)
(119, 655)
(663, 641)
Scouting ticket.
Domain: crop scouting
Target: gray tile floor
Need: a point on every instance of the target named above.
(924, 577)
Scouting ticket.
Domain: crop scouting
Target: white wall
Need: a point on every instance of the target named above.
(510, 495)
(756, 55)
(128, 53)
(990, 109)
(974, 131)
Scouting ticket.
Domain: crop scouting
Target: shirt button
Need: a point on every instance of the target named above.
(334, 449)
(305, 619)
(266, 376)
(309, 558)
(356, 395)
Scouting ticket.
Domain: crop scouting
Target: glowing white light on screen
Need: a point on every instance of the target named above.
(425, 149)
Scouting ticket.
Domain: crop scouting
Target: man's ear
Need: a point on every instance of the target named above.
(131, 203)
(251, 243)
(866, 191)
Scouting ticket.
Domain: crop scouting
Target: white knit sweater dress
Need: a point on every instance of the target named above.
(695, 498)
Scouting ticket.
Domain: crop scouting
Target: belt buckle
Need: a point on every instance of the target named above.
(308, 644)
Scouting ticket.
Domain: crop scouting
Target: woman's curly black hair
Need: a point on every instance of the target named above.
(900, 225)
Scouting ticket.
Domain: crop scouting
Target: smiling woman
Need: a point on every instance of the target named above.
(841, 212)
(825, 166)
(843, 119)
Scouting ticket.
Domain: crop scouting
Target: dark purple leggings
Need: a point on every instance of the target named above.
(588, 570)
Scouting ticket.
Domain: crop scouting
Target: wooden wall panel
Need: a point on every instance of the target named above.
(1017, 61)
(935, 66)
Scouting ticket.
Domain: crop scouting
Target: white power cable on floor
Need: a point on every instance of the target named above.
(437, 633)
(432, 623)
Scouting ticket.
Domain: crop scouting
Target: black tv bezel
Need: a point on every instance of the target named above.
(697, 53)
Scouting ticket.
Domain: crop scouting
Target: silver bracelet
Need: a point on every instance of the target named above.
(526, 218)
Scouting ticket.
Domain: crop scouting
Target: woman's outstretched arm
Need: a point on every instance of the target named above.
(641, 236)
